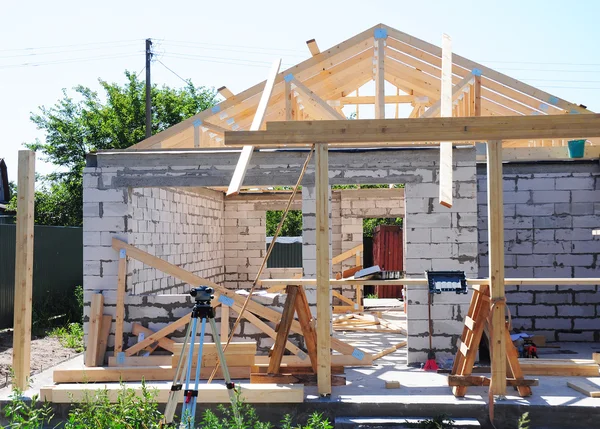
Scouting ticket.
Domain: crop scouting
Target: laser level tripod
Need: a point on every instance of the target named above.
(202, 310)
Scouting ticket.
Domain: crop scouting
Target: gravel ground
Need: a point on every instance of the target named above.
(45, 352)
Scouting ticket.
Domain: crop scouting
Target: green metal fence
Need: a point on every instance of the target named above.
(287, 253)
(57, 270)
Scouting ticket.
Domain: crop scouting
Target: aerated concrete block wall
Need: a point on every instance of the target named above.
(550, 210)
(183, 227)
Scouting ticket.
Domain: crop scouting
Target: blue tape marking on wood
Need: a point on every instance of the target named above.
(122, 253)
(288, 77)
(476, 72)
(544, 107)
(573, 111)
(230, 121)
(216, 109)
(358, 354)
(197, 123)
(226, 300)
(380, 33)
(552, 99)
(121, 358)
(301, 355)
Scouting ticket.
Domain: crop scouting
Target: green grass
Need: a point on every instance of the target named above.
(70, 336)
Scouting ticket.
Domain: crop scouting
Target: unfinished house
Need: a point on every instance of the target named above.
(188, 206)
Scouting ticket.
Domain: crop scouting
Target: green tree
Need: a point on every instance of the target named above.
(370, 224)
(88, 122)
(292, 225)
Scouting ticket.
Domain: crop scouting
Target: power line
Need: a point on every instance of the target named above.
(70, 60)
(165, 66)
(125, 45)
(69, 46)
(230, 46)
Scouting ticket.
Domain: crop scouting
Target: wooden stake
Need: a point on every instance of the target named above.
(103, 339)
(94, 329)
(496, 261)
(446, 110)
(120, 313)
(323, 270)
(24, 269)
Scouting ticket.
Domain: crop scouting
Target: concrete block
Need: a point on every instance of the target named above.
(91, 195)
(592, 246)
(575, 209)
(538, 235)
(522, 323)
(551, 196)
(575, 183)
(588, 298)
(576, 310)
(575, 260)
(552, 272)
(585, 196)
(535, 184)
(146, 312)
(575, 234)
(535, 260)
(576, 336)
(552, 323)
(520, 298)
(564, 221)
(553, 298)
(551, 247)
(585, 221)
(520, 197)
(536, 310)
(585, 271)
(586, 324)
(534, 209)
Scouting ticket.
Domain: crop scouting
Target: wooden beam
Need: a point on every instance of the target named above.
(313, 48)
(103, 338)
(477, 93)
(94, 328)
(164, 343)
(224, 321)
(21, 356)
(323, 270)
(246, 155)
(225, 92)
(308, 328)
(496, 260)
(136, 373)
(313, 99)
(586, 387)
(336, 360)
(457, 90)
(475, 380)
(423, 130)
(135, 361)
(445, 186)
(347, 254)
(120, 310)
(178, 324)
(370, 99)
(289, 101)
(283, 329)
(210, 393)
(380, 74)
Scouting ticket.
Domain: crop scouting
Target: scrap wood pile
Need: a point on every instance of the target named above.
(366, 323)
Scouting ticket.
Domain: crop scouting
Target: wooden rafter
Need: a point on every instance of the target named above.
(457, 90)
(313, 99)
(313, 47)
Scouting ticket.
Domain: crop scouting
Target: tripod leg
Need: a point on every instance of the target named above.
(198, 365)
(185, 411)
(177, 380)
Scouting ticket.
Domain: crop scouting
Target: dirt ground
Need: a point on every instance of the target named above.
(45, 352)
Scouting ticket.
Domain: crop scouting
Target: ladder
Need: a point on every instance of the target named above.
(476, 323)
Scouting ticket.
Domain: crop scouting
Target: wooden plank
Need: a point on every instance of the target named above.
(103, 338)
(291, 369)
(470, 323)
(120, 311)
(224, 321)
(136, 373)
(477, 95)
(586, 387)
(178, 324)
(225, 92)
(475, 380)
(336, 360)
(313, 47)
(390, 350)
(422, 130)
(323, 270)
(596, 357)
(209, 360)
(246, 155)
(21, 356)
(445, 194)
(457, 91)
(514, 367)
(556, 367)
(94, 327)
(370, 99)
(289, 378)
(380, 77)
(289, 101)
(496, 269)
(208, 393)
(283, 329)
(347, 254)
(165, 343)
(308, 328)
(234, 348)
(135, 361)
(314, 100)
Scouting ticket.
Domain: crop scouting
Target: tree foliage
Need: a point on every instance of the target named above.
(370, 224)
(88, 121)
(292, 226)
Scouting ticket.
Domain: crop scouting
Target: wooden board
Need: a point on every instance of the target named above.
(596, 357)
(336, 360)
(237, 354)
(559, 367)
(164, 343)
(292, 369)
(21, 356)
(120, 311)
(103, 340)
(244, 160)
(137, 373)
(422, 130)
(289, 378)
(586, 387)
(129, 361)
(445, 191)
(208, 393)
(474, 380)
(94, 328)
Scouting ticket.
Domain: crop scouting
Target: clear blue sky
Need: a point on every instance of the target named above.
(551, 44)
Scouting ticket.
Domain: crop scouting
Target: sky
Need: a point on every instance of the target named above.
(46, 47)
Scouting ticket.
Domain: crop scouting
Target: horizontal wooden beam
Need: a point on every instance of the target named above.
(208, 393)
(389, 99)
(137, 373)
(425, 130)
(475, 380)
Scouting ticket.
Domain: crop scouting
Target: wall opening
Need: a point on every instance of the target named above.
(287, 252)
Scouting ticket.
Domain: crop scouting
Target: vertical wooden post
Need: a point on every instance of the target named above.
(24, 268)
(323, 270)
(94, 330)
(380, 78)
(120, 312)
(477, 90)
(496, 261)
(288, 100)
(224, 322)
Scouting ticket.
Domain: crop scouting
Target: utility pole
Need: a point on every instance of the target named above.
(148, 88)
